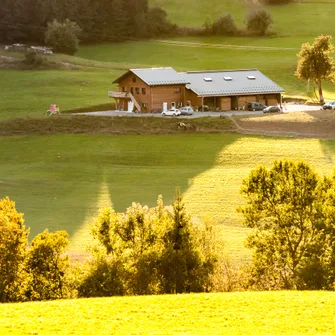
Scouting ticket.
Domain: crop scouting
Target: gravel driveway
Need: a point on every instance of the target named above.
(290, 108)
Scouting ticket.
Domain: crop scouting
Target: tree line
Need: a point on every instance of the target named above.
(289, 209)
(99, 20)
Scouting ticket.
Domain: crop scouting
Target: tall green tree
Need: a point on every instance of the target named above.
(47, 266)
(258, 22)
(292, 233)
(316, 62)
(13, 245)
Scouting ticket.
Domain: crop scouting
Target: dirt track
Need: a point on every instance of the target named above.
(317, 124)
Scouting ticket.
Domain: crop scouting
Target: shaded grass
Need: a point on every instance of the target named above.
(247, 313)
(60, 181)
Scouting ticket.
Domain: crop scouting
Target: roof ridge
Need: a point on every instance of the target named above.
(218, 71)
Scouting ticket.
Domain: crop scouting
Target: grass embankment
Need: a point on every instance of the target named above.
(226, 313)
(60, 181)
(74, 124)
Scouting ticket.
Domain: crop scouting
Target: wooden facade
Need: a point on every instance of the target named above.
(152, 97)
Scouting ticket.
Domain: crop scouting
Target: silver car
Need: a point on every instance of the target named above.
(186, 110)
(171, 112)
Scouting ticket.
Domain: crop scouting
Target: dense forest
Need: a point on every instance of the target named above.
(100, 20)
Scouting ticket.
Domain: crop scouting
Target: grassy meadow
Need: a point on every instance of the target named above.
(243, 313)
(29, 93)
(61, 181)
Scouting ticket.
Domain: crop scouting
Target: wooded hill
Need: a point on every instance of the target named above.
(100, 20)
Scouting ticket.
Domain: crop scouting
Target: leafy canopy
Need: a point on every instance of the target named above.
(291, 212)
(316, 62)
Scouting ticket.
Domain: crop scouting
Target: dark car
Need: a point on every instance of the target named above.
(271, 109)
(255, 106)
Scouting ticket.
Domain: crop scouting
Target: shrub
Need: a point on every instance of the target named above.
(32, 57)
(224, 25)
(47, 266)
(13, 245)
(63, 37)
(258, 22)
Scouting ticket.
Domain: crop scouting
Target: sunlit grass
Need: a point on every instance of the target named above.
(61, 181)
(244, 313)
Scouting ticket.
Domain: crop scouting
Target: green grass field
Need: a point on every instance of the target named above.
(61, 181)
(30, 92)
(244, 313)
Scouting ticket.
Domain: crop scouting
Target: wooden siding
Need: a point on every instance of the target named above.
(242, 101)
(136, 88)
(193, 99)
(225, 103)
(169, 94)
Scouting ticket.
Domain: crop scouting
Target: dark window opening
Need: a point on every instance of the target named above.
(132, 90)
(143, 90)
(137, 90)
(134, 79)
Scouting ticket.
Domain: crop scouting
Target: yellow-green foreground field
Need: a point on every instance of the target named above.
(225, 313)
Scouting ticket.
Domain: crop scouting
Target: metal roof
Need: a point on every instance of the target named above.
(157, 76)
(213, 83)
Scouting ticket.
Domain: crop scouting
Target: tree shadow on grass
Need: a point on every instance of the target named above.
(57, 180)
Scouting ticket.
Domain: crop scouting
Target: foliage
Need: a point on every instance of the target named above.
(290, 211)
(32, 57)
(63, 37)
(13, 244)
(161, 251)
(316, 62)
(47, 266)
(259, 21)
(100, 20)
(224, 25)
(102, 276)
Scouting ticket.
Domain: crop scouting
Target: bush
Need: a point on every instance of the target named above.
(63, 37)
(47, 266)
(258, 22)
(13, 245)
(32, 57)
(224, 25)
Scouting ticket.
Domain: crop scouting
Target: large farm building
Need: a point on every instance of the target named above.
(155, 89)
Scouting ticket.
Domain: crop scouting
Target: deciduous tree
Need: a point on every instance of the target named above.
(47, 266)
(13, 245)
(316, 62)
(292, 228)
(259, 21)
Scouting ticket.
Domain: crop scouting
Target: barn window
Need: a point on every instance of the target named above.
(134, 79)
(123, 89)
(251, 77)
(143, 90)
(132, 90)
(227, 78)
(137, 90)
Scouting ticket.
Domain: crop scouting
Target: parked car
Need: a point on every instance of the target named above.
(271, 109)
(329, 105)
(171, 112)
(255, 106)
(203, 108)
(186, 110)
